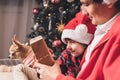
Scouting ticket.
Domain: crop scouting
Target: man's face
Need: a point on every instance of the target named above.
(97, 12)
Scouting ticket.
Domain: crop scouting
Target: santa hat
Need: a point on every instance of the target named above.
(79, 29)
(109, 1)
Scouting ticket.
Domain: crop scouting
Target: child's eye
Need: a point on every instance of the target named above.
(72, 41)
(86, 4)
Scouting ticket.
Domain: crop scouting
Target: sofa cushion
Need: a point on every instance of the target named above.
(6, 76)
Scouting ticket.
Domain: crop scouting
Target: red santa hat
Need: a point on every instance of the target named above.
(79, 29)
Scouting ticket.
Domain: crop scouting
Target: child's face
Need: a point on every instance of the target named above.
(75, 48)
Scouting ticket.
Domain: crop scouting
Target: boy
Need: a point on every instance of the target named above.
(77, 39)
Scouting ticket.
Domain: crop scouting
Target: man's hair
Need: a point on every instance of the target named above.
(98, 1)
(117, 3)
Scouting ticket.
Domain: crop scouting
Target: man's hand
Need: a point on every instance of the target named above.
(48, 72)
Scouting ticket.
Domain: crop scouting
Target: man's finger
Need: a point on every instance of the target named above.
(57, 63)
(39, 66)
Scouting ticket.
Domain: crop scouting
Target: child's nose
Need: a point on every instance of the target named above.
(68, 46)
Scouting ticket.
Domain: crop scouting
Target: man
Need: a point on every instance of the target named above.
(102, 56)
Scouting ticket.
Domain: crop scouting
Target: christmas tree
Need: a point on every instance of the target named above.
(49, 20)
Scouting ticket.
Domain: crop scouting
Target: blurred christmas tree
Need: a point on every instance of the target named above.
(49, 20)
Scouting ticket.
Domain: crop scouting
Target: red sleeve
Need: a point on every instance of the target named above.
(63, 77)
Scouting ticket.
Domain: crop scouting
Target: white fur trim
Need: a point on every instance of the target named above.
(80, 34)
(109, 1)
(71, 34)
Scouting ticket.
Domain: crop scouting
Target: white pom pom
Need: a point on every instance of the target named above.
(81, 29)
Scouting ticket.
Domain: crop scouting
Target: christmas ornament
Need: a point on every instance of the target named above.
(45, 3)
(62, 11)
(56, 43)
(70, 1)
(35, 27)
(49, 26)
(35, 10)
(60, 27)
(41, 29)
(55, 1)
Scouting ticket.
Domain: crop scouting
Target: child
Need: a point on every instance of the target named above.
(77, 34)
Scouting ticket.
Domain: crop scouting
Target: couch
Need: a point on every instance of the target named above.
(6, 76)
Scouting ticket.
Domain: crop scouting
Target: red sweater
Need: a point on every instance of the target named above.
(69, 64)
